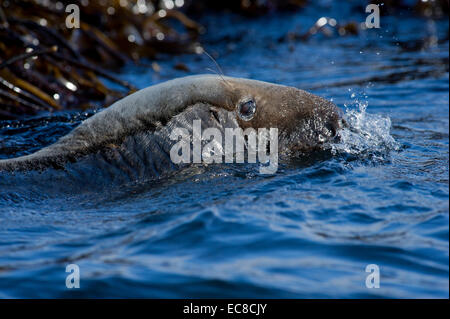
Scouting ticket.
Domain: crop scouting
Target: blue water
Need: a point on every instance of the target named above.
(308, 231)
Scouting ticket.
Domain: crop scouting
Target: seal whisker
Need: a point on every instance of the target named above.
(221, 74)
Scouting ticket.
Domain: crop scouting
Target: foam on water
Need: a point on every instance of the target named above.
(366, 135)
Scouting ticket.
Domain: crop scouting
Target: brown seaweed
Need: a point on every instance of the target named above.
(34, 76)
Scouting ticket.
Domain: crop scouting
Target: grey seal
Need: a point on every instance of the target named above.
(131, 137)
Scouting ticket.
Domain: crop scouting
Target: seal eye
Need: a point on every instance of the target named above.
(247, 109)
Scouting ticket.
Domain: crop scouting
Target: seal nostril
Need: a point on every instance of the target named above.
(332, 128)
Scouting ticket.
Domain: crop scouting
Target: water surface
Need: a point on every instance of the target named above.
(308, 231)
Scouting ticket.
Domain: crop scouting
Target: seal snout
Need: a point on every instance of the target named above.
(313, 124)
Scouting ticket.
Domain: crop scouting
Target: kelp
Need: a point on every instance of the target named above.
(45, 65)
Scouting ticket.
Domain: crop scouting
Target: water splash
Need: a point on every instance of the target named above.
(366, 135)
